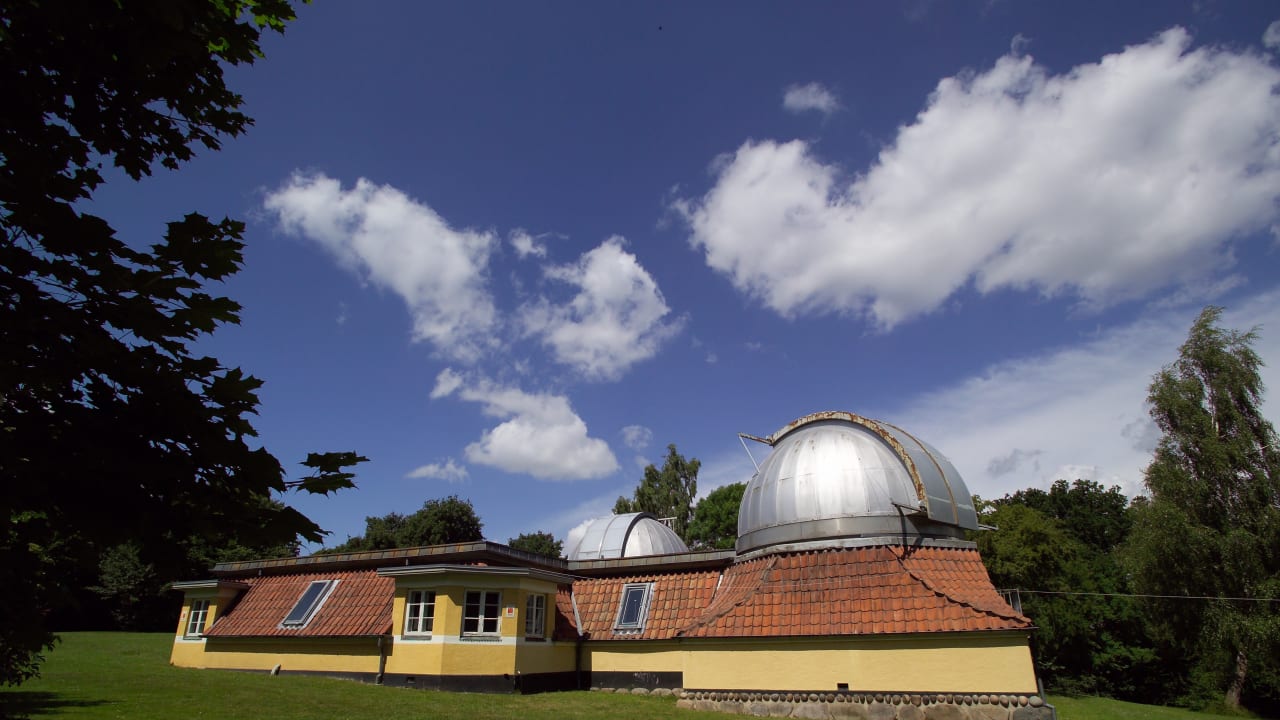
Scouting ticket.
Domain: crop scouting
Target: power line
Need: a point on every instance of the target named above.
(1142, 595)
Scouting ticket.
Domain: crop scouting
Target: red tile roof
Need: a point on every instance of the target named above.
(678, 599)
(858, 591)
(855, 591)
(359, 605)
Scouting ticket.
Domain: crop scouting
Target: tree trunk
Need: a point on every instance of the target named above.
(1237, 681)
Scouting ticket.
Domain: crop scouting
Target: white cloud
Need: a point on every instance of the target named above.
(810, 96)
(1271, 38)
(540, 434)
(526, 245)
(1082, 408)
(1106, 183)
(449, 470)
(614, 321)
(402, 245)
(637, 437)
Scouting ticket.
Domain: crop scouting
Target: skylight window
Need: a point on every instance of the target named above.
(634, 608)
(312, 598)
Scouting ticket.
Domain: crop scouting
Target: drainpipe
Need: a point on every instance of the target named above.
(382, 657)
(577, 659)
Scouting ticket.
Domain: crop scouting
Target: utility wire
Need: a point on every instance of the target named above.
(1140, 595)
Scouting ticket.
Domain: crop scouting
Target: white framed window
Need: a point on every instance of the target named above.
(535, 616)
(196, 617)
(310, 601)
(420, 612)
(481, 612)
(633, 608)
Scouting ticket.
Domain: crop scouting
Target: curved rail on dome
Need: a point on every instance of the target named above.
(933, 486)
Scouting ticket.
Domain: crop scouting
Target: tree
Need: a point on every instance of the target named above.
(538, 543)
(715, 518)
(1064, 541)
(667, 493)
(111, 429)
(439, 522)
(1211, 525)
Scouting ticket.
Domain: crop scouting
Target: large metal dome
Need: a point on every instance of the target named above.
(630, 535)
(837, 475)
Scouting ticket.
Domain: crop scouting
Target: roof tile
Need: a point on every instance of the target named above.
(884, 589)
(359, 605)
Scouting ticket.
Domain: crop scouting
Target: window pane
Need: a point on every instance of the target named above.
(535, 619)
(633, 606)
(195, 620)
(306, 604)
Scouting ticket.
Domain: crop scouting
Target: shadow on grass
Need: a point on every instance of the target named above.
(32, 703)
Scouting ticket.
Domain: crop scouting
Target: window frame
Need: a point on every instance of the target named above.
(199, 609)
(479, 616)
(645, 589)
(310, 609)
(535, 616)
(426, 605)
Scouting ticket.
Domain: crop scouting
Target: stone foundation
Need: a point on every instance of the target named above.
(870, 706)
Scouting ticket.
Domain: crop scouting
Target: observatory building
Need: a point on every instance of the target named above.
(852, 592)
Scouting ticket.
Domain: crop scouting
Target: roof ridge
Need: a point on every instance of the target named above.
(745, 594)
(936, 588)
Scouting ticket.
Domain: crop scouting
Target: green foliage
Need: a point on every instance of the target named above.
(715, 518)
(439, 522)
(538, 543)
(1212, 524)
(103, 405)
(1063, 541)
(135, 594)
(667, 493)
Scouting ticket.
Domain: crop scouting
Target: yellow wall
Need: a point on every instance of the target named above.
(545, 657)
(291, 654)
(446, 652)
(970, 662)
(186, 653)
(635, 656)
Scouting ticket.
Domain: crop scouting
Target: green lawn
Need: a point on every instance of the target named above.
(1092, 708)
(126, 675)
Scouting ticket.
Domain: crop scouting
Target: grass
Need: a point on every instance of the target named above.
(127, 675)
(1095, 708)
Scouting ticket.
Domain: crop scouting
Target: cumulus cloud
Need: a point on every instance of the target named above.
(1109, 182)
(810, 97)
(402, 245)
(540, 434)
(1271, 38)
(449, 470)
(527, 245)
(637, 437)
(614, 321)
(1083, 406)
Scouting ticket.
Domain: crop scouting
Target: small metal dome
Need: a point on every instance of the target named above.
(836, 475)
(630, 535)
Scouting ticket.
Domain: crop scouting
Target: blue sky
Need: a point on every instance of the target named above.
(511, 251)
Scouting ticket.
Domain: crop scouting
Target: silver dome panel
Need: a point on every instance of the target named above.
(629, 535)
(839, 475)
